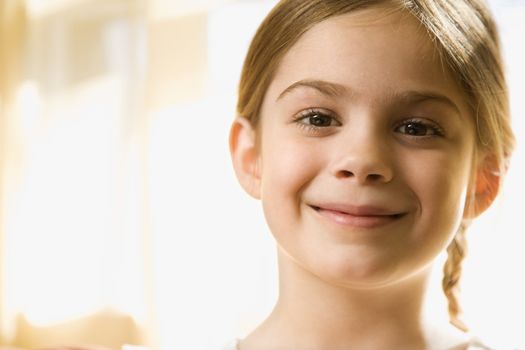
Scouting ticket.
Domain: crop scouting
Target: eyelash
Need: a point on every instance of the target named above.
(435, 129)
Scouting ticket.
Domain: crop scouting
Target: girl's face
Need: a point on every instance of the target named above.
(367, 144)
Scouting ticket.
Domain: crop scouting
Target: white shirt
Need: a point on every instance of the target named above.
(133, 347)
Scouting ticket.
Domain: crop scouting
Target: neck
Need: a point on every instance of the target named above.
(314, 314)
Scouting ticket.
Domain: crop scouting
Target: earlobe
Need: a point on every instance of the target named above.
(245, 156)
(486, 188)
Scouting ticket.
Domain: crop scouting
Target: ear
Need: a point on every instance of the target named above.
(245, 156)
(485, 188)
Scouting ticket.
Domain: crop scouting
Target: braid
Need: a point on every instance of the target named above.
(452, 272)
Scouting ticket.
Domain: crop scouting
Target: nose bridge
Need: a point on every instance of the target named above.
(364, 154)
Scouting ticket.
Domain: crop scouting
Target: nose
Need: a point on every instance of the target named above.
(365, 162)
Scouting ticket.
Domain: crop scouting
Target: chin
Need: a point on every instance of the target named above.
(352, 272)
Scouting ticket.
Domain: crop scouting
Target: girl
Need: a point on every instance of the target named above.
(372, 132)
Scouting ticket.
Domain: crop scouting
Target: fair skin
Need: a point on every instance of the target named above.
(362, 161)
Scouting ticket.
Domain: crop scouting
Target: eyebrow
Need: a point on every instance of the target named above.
(421, 96)
(336, 90)
(324, 87)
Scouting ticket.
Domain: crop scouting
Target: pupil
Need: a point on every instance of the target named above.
(319, 120)
(416, 129)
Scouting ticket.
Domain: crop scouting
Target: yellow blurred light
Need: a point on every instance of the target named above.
(39, 8)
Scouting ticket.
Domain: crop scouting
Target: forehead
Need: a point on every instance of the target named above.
(375, 52)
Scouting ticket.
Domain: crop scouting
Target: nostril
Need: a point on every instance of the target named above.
(374, 177)
(345, 173)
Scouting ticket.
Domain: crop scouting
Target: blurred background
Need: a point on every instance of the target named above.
(121, 221)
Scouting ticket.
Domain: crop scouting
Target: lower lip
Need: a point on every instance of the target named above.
(357, 221)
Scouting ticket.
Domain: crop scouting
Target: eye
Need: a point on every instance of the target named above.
(419, 128)
(316, 119)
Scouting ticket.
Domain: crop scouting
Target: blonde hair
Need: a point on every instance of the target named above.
(466, 37)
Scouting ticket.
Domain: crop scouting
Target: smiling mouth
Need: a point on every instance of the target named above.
(360, 218)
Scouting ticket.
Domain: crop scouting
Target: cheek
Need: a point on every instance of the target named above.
(440, 187)
(287, 166)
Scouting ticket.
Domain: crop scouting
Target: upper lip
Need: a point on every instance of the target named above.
(357, 210)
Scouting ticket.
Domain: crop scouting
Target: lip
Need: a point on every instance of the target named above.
(363, 216)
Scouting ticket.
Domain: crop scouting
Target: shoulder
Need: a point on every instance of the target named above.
(476, 344)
